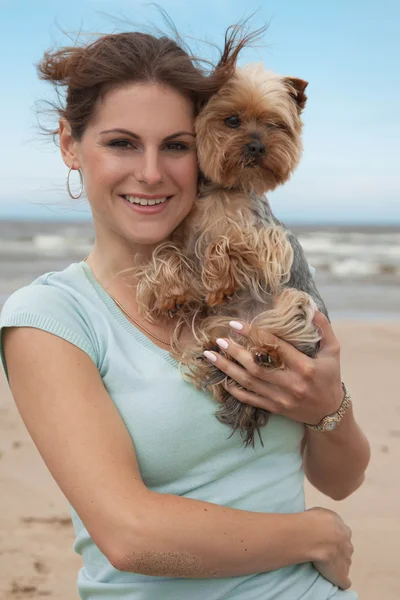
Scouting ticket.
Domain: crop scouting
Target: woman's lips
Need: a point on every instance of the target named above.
(148, 210)
(148, 196)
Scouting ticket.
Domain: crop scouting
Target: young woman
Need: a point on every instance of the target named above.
(164, 503)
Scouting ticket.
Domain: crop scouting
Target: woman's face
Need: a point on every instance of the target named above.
(138, 147)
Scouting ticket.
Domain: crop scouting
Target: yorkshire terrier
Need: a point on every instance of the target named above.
(231, 258)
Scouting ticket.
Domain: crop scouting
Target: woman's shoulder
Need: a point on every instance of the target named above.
(60, 302)
(64, 294)
(57, 285)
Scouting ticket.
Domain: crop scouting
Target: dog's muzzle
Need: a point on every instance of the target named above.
(254, 152)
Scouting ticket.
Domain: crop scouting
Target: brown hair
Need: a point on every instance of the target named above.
(86, 73)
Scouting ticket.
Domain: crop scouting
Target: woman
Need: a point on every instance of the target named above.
(165, 503)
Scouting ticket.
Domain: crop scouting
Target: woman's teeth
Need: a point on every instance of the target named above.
(144, 202)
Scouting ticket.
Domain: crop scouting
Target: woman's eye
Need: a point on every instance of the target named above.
(127, 144)
(177, 146)
(120, 144)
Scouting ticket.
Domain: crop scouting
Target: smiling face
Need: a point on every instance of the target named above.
(139, 147)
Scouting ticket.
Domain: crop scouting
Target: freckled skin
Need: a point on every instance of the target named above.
(167, 564)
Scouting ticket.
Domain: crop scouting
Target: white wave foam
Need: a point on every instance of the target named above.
(344, 254)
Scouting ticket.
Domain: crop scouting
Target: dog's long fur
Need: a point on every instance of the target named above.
(231, 258)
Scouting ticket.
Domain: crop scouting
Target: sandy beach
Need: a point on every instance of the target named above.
(36, 535)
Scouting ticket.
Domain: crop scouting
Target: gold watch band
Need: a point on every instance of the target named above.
(330, 422)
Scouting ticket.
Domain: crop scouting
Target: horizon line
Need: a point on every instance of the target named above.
(298, 222)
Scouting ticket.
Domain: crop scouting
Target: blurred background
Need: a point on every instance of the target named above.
(342, 201)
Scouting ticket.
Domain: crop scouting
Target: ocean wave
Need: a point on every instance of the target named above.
(339, 253)
(353, 254)
(47, 245)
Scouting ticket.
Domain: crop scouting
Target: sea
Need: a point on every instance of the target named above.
(357, 266)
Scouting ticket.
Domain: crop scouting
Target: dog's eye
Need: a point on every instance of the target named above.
(233, 121)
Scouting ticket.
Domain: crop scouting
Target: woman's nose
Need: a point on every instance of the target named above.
(150, 170)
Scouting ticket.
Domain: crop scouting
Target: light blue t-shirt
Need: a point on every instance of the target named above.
(181, 447)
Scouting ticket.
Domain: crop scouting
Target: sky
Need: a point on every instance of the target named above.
(348, 51)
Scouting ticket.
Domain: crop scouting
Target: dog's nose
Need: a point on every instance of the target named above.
(255, 148)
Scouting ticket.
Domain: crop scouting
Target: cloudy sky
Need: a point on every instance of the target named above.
(348, 50)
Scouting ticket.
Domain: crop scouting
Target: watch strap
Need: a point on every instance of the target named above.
(330, 422)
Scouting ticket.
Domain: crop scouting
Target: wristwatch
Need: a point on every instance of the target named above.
(330, 422)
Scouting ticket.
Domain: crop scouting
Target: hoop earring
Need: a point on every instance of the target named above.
(81, 184)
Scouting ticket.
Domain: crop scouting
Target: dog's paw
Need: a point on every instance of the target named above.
(268, 356)
(172, 304)
(218, 297)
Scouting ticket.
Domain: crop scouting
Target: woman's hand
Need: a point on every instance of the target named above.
(306, 390)
(333, 556)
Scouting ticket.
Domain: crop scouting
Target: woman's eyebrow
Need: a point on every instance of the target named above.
(137, 137)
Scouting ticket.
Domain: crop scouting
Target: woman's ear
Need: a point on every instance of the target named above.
(68, 146)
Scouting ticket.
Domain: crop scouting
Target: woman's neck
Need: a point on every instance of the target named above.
(114, 272)
(113, 262)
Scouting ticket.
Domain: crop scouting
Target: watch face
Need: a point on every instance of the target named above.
(330, 426)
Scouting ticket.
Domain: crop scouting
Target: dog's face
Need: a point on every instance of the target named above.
(249, 133)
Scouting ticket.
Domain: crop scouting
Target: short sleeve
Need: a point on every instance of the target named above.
(51, 309)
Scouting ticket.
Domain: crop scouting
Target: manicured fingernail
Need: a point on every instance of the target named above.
(210, 355)
(222, 343)
(236, 325)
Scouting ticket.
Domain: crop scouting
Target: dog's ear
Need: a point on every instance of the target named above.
(296, 90)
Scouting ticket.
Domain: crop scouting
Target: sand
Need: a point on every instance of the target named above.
(36, 535)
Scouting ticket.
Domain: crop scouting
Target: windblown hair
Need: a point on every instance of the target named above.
(87, 72)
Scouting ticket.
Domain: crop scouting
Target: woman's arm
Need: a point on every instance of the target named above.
(306, 390)
(182, 537)
(88, 450)
(335, 461)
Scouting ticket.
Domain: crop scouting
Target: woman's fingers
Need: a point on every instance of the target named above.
(329, 343)
(291, 357)
(250, 398)
(252, 374)
(256, 392)
(298, 391)
(278, 391)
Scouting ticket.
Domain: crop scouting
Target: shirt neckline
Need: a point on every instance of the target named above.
(122, 320)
